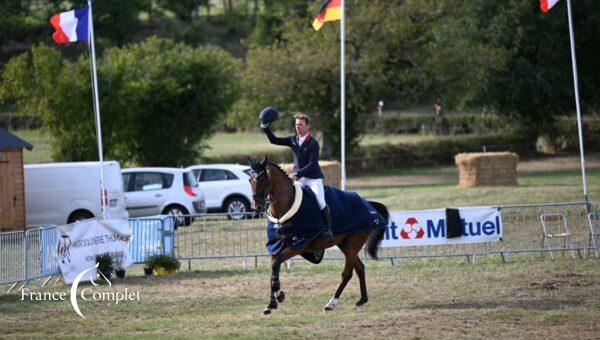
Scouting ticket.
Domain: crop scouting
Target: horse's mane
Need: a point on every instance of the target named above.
(276, 166)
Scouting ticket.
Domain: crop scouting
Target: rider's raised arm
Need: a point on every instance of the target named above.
(313, 161)
(286, 141)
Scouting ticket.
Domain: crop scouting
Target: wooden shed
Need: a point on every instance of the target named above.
(12, 186)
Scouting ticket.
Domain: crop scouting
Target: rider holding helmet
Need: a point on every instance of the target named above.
(306, 159)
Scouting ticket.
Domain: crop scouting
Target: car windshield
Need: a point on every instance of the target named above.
(189, 180)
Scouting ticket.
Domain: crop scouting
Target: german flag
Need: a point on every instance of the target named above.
(331, 10)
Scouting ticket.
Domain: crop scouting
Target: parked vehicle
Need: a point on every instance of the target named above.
(226, 188)
(169, 191)
(61, 193)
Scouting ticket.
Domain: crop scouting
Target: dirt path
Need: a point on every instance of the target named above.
(445, 175)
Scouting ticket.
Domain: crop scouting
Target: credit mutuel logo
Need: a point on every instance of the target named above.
(434, 229)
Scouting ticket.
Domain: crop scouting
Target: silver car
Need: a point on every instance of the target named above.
(167, 191)
(226, 188)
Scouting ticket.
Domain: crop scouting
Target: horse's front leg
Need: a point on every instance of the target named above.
(277, 295)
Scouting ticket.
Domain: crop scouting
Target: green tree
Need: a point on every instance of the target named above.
(302, 73)
(13, 20)
(509, 56)
(116, 20)
(159, 100)
(185, 10)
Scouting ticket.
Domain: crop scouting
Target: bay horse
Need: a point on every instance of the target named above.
(269, 180)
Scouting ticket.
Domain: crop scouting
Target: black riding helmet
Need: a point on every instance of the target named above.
(268, 115)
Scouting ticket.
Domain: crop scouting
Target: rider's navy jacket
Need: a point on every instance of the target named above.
(306, 156)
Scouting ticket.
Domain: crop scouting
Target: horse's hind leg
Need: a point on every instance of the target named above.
(346, 276)
(359, 267)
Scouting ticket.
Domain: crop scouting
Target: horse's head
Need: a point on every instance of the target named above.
(259, 181)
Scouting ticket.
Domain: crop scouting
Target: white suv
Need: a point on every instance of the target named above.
(226, 188)
(169, 191)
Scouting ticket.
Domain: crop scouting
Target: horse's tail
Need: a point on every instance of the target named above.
(377, 234)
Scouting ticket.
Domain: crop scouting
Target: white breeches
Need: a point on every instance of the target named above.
(316, 185)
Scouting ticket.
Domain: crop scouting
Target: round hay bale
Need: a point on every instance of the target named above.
(331, 171)
(487, 169)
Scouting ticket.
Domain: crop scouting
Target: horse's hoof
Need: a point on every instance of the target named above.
(331, 304)
(267, 311)
(281, 297)
(361, 301)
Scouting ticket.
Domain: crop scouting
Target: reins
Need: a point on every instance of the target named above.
(276, 195)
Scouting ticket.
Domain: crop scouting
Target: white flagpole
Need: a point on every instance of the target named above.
(103, 194)
(573, 59)
(343, 93)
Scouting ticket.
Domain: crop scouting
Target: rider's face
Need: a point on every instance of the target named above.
(301, 127)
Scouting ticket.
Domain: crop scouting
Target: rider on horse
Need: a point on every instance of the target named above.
(306, 159)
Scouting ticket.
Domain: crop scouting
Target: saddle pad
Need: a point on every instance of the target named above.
(349, 213)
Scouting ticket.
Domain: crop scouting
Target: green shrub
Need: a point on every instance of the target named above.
(19, 121)
(434, 152)
(565, 136)
(166, 261)
(455, 124)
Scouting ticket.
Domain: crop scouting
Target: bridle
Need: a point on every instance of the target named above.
(256, 175)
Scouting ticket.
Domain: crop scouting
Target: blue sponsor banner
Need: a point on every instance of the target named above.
(428, 227)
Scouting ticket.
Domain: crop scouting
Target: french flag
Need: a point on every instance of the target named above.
(546, 5)
(71, 26)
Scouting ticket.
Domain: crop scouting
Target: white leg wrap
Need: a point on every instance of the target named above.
(332, 303)
(277, 293)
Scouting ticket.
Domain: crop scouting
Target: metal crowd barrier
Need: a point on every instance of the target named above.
(214, 236)
(12, 259)
(26, 256)
(31, 254)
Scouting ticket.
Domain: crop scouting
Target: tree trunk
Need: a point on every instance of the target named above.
(327, 148)
(254, 13)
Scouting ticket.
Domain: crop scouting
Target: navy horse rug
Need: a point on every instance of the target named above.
(349, 213)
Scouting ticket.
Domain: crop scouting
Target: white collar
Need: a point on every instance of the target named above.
(293, 210)
(301, 139)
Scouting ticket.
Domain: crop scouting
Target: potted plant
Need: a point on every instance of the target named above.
(171, 264)
(162, 264)
(149, 264)
(118, 265)
(105, 265)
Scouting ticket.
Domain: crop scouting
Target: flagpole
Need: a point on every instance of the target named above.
(575, 81)
(343, 93)
(97, 109)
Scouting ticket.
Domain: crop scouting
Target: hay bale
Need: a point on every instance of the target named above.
(487, 169)
(331, 170)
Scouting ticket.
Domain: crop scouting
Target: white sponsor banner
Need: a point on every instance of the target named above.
(79, 243)
(428, 227)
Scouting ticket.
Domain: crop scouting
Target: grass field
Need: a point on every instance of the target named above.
(449, 298)
(529, 297)
(220, 145)
(539, 187)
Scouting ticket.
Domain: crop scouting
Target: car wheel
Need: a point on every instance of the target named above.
(80, 215)
(236, 208)
(178, 212)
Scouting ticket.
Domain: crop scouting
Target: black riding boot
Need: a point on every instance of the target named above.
(327, 219)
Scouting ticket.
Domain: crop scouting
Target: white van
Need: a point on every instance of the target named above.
(62, 193)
